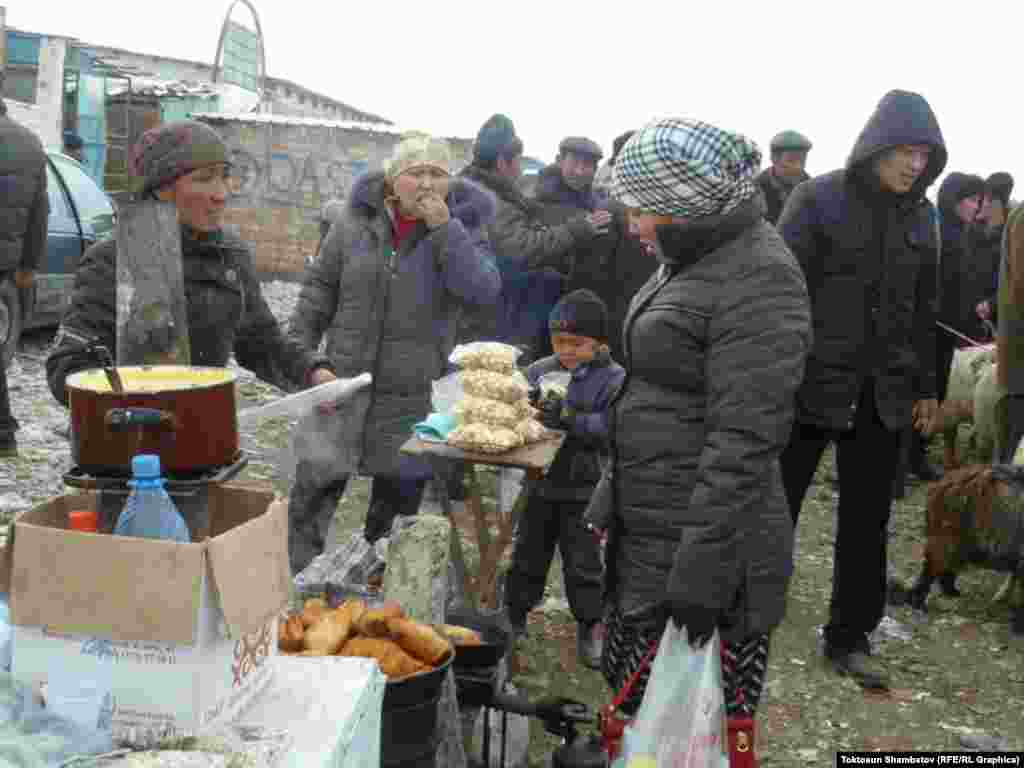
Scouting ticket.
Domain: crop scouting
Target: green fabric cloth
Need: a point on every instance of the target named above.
(435, 427)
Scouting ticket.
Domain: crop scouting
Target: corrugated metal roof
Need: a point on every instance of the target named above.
(152, 86)
(314, 122)
(262, 118)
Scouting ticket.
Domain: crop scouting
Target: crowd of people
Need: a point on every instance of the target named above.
(721, 325)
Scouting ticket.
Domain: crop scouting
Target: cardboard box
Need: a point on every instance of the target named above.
(184, 630)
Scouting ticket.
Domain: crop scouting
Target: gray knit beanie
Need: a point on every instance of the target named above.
(167, 152)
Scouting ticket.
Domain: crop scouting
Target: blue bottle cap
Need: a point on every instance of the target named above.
(146, 465)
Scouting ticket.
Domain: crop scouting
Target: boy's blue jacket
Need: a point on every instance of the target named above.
(577, 468)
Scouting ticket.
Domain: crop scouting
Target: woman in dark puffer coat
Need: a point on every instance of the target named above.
(715, 346)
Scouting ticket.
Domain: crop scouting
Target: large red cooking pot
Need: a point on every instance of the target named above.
(184, 414)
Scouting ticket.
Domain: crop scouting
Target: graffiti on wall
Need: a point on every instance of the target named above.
(296, 166)
(300, 179)
(299, 166)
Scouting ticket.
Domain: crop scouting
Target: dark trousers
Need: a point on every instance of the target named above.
(314, 501)
(865, 456)
(1012, 423)
(8, 424)
(390, 497)
(544, 524)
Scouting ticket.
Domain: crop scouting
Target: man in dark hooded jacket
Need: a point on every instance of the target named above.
(614, 265)
(959, 202)
(864, 238)
(24, 208)
(985, 241)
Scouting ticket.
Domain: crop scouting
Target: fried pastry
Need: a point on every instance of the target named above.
(313, 609)
(461, 636)
(394, 662)
(329, 634)
(374, 621)
(290, 634)
(419, 640)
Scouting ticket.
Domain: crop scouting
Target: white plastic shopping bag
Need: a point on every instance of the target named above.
(681, 722)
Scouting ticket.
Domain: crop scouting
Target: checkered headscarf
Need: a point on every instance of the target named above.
(686, 168)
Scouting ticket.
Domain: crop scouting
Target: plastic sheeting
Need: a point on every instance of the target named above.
(32, 737)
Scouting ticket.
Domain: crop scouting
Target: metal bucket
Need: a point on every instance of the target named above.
(409, 734)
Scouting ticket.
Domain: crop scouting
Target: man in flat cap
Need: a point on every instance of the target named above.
(614, 265)
(570, 180)
(789, 159)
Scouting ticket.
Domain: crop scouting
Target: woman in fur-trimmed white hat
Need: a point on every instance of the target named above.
(406, 255)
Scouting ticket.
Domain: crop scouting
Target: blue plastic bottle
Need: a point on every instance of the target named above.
(150, 513)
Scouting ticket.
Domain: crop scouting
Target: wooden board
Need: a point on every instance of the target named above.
(536, 457)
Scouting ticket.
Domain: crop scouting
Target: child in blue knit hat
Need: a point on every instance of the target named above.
(579, 335)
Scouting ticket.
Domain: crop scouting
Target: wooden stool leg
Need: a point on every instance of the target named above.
(463, 589)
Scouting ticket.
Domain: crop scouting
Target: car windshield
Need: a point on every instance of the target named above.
(94, 208)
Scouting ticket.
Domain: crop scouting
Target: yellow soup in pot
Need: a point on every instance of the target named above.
(152, 379)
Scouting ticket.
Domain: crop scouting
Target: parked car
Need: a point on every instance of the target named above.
(80, 214)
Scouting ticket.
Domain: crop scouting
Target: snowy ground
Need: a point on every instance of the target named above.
(44, 455)
(956, 673)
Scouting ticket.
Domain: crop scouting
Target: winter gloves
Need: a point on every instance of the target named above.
(555, 414)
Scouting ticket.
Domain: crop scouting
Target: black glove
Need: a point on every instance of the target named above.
(551, 413)
(700, 622)
(533, 396)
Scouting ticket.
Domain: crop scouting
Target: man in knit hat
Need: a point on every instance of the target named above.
(185, 163)
(534, 257)
(554, 517)
(865, 238)
(789, 159)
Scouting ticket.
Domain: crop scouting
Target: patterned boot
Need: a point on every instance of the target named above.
(741, 742)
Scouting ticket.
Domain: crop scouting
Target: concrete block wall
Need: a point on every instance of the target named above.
(284, 173)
